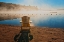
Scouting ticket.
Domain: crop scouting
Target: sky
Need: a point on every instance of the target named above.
(40, 3)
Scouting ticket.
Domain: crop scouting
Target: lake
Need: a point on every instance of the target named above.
(54, 21)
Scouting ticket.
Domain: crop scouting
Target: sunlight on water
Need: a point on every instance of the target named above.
(55, 21)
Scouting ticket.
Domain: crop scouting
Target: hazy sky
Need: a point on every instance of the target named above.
(41, 3)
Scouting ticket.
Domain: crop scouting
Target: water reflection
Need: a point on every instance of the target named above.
(54, 21)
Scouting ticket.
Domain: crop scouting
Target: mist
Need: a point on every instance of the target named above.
(44, 15)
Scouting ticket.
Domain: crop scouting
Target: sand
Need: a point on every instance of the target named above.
(40, 34)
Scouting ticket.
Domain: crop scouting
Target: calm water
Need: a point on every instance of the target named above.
(54, 21)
